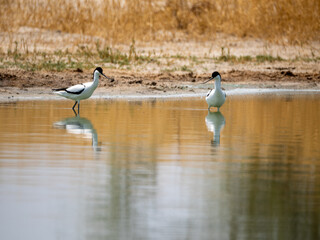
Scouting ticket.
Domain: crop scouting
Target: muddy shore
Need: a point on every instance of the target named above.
(18, 84)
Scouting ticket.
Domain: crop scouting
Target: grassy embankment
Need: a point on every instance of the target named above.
(289, 22)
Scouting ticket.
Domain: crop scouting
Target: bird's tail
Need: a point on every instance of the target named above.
(58, 89)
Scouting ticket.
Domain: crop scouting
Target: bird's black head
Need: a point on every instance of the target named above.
(99, 69)
(214, 74)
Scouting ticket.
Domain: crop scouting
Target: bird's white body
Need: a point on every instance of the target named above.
(216, 97)
(80, 91)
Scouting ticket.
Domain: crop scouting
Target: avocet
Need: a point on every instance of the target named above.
(81, 91)
(215, 97)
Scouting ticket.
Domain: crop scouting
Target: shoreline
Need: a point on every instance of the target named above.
(168, 96)
(17, 84)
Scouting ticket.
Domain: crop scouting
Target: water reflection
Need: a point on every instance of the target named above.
(156, 177)
(215, 122)
(80, 126)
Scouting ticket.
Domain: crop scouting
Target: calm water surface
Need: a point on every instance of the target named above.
(161, 169)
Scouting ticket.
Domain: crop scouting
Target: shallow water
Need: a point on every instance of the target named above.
(154, 169)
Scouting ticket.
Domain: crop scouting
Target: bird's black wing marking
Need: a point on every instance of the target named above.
(77, 93)
(71, 92)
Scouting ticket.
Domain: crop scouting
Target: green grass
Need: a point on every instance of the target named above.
(185, 68)
(227, 57)
(85, 57)
(178, 56)
(244, 59)
(268, 58)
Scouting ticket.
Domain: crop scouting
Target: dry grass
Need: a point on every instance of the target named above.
(295, 21)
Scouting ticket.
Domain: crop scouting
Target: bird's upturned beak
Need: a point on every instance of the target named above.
(111, 79)
(208, 80)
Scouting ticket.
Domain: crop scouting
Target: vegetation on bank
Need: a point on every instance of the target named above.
(86, 58)
(289, 22)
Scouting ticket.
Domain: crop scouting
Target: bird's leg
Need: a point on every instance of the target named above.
(75, 113)
(218, 109)
(78, 107)
(75, 104)
(74, 107)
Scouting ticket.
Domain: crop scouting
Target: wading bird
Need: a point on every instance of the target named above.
(215, 97)
(81, 91)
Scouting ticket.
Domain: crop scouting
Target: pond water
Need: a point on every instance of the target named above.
(161, 169)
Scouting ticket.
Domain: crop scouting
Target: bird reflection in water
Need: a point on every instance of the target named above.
(215, 122)
(81, 126)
